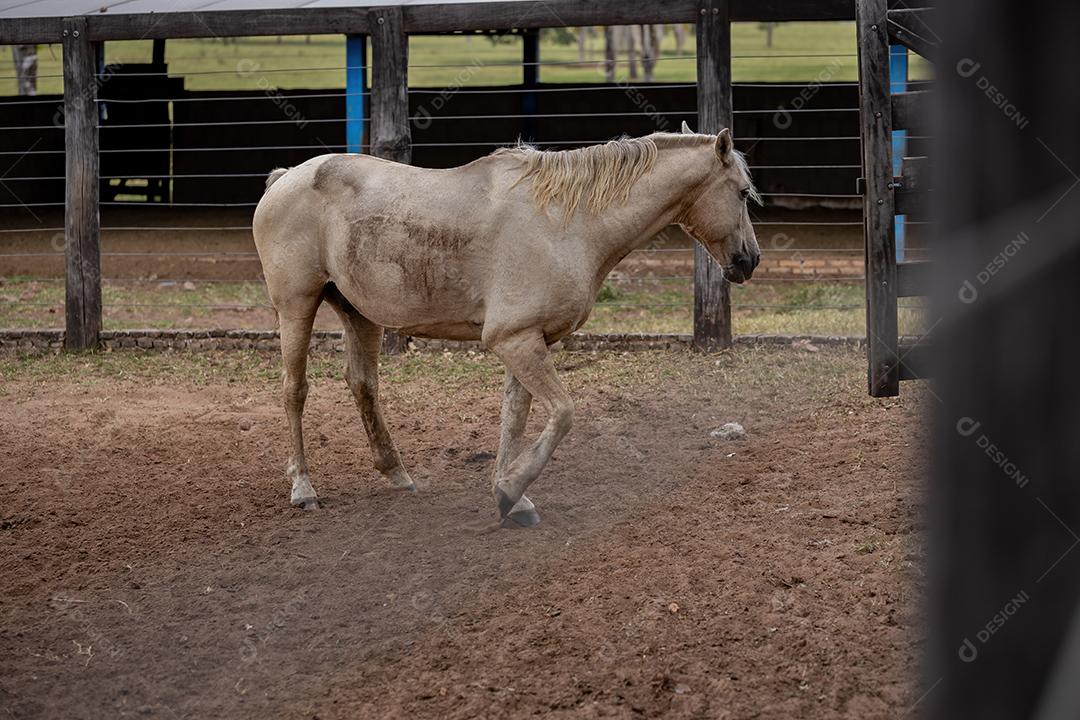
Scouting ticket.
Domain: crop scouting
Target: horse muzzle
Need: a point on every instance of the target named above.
(741, 267)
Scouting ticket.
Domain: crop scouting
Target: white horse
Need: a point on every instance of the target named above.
(509, 250)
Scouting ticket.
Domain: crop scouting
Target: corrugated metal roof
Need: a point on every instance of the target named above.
(69, 8)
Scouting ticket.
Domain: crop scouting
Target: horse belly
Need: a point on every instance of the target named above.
(401, 278)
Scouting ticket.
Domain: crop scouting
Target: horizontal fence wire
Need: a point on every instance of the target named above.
(286, 95)
(135, 228)
(250, 306)
(430, 117)
(257, 71)
(37, 101)
(242, 228)
(763, 250)
(245, 98)
(338, 146)
(674, 260)
(617, 279)
(169, 205)
(119, 62)
(252, 253)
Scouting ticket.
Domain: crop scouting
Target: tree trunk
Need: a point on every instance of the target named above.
(26, 65)
(630, 32)
(651, 37)
(581, 32)
(611, 52)
(680, 38)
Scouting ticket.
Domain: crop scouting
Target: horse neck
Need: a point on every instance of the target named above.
(656, 201)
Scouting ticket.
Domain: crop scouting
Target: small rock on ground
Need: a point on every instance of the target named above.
(728, 431)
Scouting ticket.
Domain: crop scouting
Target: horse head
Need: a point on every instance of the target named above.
(717, 213)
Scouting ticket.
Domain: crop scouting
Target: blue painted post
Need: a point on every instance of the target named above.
(355, 87)
(898, 74)
(530, 79)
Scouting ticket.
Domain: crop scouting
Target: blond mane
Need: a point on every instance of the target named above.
(598, 175)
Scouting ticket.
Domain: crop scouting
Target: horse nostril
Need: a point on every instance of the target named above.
(745, 261)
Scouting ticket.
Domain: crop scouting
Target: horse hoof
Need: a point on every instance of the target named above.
(504, 501)
(524, 518)
(309, 503)
(402, 481)
(409, 486)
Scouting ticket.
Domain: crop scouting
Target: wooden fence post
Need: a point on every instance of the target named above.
(712, 293)
(82, 224)
(879, 202)
(391, 136)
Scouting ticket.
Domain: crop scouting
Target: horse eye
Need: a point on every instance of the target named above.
(745, 193)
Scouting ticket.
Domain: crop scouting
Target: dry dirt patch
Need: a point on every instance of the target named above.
(155, 568)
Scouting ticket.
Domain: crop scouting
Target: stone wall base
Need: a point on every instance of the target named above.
(333, 341)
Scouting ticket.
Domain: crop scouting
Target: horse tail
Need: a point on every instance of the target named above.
(275, 175)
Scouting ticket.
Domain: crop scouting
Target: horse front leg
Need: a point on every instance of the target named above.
(526, 356)
(515, 414)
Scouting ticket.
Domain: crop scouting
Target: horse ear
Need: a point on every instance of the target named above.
(724, 146)
(686, 129)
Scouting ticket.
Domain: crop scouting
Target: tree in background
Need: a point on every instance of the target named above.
(611, 53)
(25, 57)
(768, 27)
(637, 41)
(680, 39)
(650, 39)
(629, 41)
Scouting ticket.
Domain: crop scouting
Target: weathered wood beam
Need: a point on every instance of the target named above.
(916, 361)
(391, 135)
(31, 31)
(913, 190)
(430, 18)
(913, 279)
(82, 225)
(917, 173)
(779, 10)
(912, 202)
(913, 28)
(879, 208)
(228, 23)
(712, 292)
(911, 110)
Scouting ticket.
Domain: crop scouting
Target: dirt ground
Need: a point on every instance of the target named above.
(153, 567)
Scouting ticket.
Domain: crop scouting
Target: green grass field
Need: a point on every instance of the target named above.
(655, 306)
(800, 52)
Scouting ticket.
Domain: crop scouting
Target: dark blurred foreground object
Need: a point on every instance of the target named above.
(1004, 497)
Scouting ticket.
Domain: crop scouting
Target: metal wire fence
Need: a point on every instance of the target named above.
(161, 236)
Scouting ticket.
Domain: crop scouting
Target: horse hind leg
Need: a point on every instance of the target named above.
(363, 340)
(295, 322)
